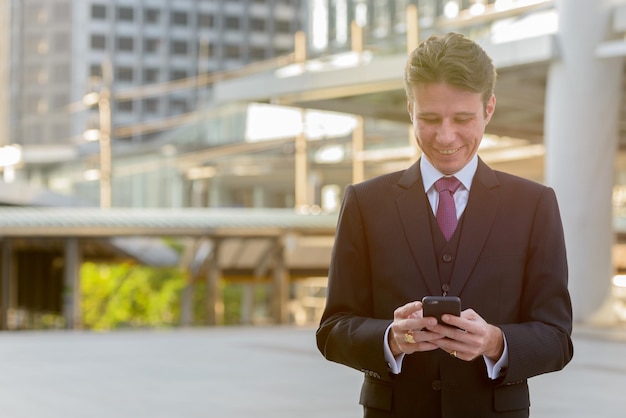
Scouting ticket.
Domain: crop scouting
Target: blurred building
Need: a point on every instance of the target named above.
(55, 53)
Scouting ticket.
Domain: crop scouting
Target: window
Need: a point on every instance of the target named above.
(179, 18)
(125, 106)
(257, 25)
(232, 51)
(125, 43)
(62, 12)
(60, 100)
(152, 15)
(34, 133)
(205, 20)
(178, 106)
(95, 70)
(151, 45)
(179, 48)
(98, 12)
(42, 76)
(257, 54)
(41, 16)
(283, 26)
(283, 51)
(232, 22)
(35, 12)
(30, 43)
(42, 106)
(151, 75)
(98, 42)
(35, 75)
(151, 105)
(178, 75)
(43, 47)
(61, 42)
(61, 132)
(126, 14)
(125, 74)
(61, 73)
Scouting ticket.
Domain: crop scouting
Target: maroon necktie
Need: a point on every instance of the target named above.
(446, 210)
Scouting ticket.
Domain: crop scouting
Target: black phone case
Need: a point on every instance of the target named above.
(438, 305)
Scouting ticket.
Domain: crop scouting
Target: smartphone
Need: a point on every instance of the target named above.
(438, 305)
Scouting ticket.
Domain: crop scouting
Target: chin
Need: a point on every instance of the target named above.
(449, 169)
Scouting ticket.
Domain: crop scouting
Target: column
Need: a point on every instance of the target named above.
(280, 296)
(6, 272)
(358, 144)
(72, 295)
(583, 96)
(214, 297)
(301, 168)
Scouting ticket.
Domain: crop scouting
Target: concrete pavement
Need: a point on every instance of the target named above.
(261, 372)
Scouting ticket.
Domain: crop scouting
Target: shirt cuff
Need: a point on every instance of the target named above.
(393, 363)
(496, 369)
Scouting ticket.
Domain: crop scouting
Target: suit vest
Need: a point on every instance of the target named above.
(445, 252)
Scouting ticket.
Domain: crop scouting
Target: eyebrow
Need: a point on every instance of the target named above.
(437, 114)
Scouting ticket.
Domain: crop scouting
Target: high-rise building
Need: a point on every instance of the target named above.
(64, 49)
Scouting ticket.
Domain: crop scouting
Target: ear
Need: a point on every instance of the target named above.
(490, 108)
(409, 108)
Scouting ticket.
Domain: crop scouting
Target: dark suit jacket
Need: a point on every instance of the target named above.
(510, 267)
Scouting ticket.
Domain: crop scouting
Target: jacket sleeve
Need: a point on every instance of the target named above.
(541, 341)
(348, 332)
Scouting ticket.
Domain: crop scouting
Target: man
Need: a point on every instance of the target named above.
(505, 259)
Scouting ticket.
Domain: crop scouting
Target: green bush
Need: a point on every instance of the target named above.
(131, 295)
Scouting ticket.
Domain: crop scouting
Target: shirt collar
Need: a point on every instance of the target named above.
(430, 174)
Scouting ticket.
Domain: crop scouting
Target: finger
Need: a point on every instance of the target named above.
(418, 344)
(449, 333)
(425, 336)
(470, 314)
(407, 310)
(455, 321)
(400, 326)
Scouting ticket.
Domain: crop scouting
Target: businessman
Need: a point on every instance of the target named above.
(448, 226)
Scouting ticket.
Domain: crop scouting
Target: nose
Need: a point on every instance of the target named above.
(446, 132)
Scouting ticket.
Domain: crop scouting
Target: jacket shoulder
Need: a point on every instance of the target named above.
(376, 187)
(511, 181)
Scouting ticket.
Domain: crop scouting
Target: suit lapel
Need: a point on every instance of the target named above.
(414, 211)
(478, 218)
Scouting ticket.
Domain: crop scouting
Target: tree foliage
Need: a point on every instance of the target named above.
(130, 295)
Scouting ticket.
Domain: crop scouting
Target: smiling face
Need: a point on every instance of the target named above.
(449, 123)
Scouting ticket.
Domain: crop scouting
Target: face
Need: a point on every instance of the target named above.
(449, 124)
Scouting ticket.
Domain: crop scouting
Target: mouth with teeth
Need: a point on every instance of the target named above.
(447, 151)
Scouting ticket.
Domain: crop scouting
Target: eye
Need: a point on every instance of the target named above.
(463, 119)
(429, 119)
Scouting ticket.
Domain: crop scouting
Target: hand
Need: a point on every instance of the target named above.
(469, 336)
(409, 320)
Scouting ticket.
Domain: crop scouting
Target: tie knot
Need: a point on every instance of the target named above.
(447, 183)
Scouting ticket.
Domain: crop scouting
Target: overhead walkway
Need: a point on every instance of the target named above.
(371, 85)
(369, 82)
(272, 246)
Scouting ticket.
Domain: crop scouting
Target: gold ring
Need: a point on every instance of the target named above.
(408, 337)
(453, 353)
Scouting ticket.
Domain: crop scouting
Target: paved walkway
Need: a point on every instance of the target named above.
(266, 372)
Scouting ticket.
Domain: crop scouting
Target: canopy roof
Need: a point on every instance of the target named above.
(191, 222)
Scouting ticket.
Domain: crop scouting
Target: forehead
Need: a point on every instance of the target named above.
(439, 97)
